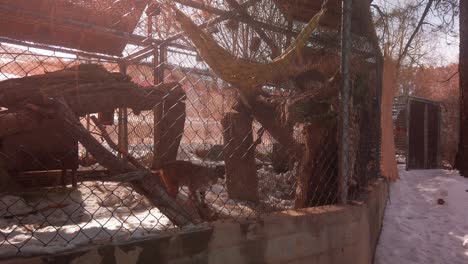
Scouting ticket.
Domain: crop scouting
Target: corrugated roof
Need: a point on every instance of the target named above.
(100, 26)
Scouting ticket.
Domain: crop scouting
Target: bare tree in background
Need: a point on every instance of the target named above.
(408, 31)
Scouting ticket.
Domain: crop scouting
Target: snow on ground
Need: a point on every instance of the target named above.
(50, 220)
(65, 218)
(417, 229)
(276, 193)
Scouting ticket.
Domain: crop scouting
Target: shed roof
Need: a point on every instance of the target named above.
(100, 26)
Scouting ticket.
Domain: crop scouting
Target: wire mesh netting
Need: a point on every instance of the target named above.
(115, 125)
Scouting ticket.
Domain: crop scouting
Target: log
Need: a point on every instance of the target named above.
(110, 98)
(82, 86)
(239, 157)
(168, 130)
(150, 186)
(313, 134)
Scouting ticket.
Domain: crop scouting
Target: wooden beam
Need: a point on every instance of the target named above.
(70, 23)
(58, 49)
(146, 52)
(275, 50)
(81, 26)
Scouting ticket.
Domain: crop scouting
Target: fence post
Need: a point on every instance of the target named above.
(239, 157)
(345, 94)
(123, 123)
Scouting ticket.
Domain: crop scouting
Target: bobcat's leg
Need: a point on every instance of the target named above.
(172, 186)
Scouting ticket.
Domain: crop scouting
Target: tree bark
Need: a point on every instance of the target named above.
(82, 86)
(462, 156)
(168, 130)
(239, 157)
(83, 97)
(20, 120)
(279, 114)
(308, 180)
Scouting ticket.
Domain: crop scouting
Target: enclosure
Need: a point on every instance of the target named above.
(122, 120)
(417, 131)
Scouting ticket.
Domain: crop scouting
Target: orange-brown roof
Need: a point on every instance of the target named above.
(98, 26)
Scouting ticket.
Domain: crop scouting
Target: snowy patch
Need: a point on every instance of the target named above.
(276, 192)
(64, 218)
(52, 220)
(417, 229)
(401, 159)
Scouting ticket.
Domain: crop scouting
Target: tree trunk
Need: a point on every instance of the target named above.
(310, 181)
(169, 122)
(462, 156)
(279, 114)
(239, 157)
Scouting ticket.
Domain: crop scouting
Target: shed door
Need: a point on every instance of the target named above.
(423, 135)
(416, 159)
(433, 121)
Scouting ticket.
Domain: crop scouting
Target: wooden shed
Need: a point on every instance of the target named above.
(417, 131)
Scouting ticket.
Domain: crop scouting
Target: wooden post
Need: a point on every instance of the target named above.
(169, 117)
(317, 171)
(239, 157)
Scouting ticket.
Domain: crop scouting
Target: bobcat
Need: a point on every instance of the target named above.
(178, 173)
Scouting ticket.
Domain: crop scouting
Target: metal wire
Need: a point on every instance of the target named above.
(44, 209)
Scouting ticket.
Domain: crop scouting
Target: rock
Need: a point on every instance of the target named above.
(440, 201)
(280, 158)
(214, 153)
(111, 201)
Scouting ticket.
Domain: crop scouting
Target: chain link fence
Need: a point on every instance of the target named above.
(113, 126)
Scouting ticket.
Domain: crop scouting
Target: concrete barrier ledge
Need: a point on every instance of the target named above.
(325, 235)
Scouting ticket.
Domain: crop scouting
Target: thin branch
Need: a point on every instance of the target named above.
(450, 78)
(415, 32)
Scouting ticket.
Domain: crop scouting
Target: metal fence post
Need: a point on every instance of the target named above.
(345, 94)
(123, 123)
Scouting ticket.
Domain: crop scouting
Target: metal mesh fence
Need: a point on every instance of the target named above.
(103, 144)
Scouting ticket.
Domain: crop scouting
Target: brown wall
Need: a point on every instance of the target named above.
(328, 235)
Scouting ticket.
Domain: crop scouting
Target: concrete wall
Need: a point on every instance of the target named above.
(329, 234)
